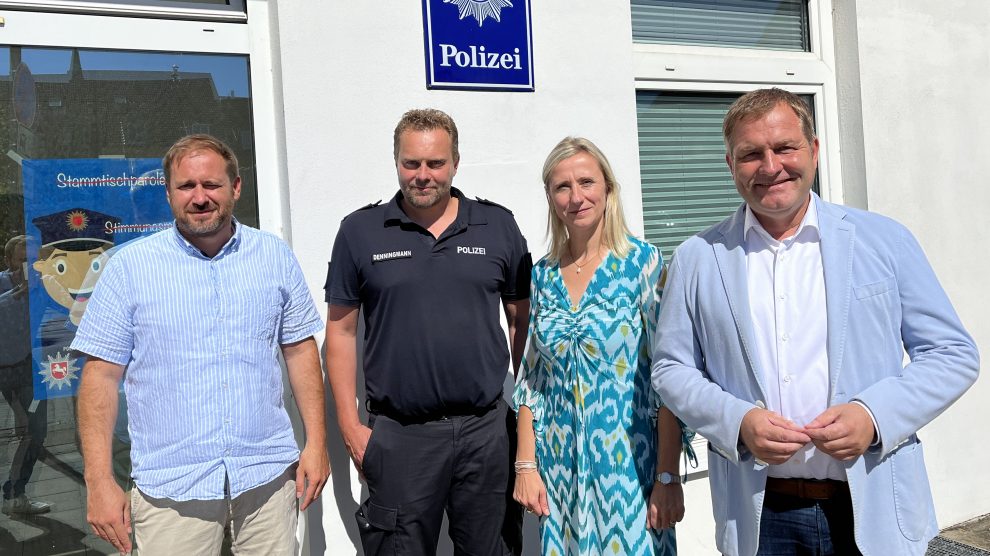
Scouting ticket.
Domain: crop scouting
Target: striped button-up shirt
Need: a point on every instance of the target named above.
(200, 339)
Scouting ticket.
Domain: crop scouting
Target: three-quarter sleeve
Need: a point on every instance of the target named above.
(532, 380)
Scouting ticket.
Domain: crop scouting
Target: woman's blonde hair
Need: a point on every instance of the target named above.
(615, 232)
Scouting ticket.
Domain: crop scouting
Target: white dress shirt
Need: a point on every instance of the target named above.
(787, 304)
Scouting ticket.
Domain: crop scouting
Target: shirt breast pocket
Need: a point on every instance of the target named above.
(260, 315)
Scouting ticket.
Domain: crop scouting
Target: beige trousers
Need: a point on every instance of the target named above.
(262, 522)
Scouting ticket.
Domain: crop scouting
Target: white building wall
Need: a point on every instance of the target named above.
(924, 77)
(349, 71)
(346, 72)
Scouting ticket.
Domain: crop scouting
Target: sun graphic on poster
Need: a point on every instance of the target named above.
(76, 220)
(480, 9)
(59, 371)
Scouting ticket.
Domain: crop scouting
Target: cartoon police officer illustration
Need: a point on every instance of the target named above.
(70, 259)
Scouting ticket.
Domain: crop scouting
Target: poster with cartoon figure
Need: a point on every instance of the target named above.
(77, 212)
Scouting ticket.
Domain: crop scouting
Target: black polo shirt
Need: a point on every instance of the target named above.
(433, 340)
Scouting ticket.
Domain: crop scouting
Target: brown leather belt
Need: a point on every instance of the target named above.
(809, 489)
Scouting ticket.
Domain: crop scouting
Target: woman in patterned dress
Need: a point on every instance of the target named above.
(592, 433)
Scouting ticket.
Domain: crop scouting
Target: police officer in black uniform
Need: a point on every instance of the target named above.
(431, 269)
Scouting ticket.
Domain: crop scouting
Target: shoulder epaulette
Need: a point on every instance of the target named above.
(493, 204)
(370, 205)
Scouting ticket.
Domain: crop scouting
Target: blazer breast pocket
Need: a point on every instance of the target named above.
(874, 289)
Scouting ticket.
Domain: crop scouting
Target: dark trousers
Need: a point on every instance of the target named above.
(792, 526)
(30, 427)
(512, 525)
(416, 471)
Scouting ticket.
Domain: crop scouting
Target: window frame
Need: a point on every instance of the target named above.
(710, 69)
(716, 69)
(133, 33)
(828, 154)
(21, 28)
(235, 11)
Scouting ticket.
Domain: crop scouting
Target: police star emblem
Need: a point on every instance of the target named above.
(480, 9)
(76, 220)
(59, 371)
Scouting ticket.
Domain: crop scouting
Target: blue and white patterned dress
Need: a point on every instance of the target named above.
(586, 379)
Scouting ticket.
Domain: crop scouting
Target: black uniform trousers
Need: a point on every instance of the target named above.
(416, 470)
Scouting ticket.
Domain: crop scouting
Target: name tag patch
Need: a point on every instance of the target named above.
(390, 256)
(471, 250)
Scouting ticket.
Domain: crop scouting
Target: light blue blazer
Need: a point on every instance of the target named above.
(882, 298)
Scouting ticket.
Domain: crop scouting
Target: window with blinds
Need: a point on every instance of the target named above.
(686, 185)
(763, 24)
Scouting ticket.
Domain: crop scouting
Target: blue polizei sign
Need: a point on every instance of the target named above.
(478, 44)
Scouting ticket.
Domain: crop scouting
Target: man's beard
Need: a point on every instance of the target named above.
(200, 228)
(409, 193)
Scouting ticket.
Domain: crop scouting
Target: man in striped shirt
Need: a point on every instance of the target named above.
(193, 319)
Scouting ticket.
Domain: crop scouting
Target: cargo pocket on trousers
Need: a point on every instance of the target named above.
(377, 527)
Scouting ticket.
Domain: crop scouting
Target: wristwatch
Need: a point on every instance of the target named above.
(665, 478)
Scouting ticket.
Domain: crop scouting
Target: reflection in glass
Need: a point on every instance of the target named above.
(30, 418)
(116, 113)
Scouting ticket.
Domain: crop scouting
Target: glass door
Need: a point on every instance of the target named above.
(82, 133)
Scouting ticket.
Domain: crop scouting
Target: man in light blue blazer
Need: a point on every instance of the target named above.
(781, 340)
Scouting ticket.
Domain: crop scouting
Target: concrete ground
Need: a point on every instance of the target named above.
(974, 533)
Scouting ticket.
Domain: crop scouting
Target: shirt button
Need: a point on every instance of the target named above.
(782, 296)
(574, 308)
(787, 378)
(784, 337)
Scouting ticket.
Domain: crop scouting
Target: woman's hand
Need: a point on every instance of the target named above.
(666, 506)
(531, 493)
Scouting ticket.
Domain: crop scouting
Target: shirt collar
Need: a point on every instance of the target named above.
(809, 225)
(231, 245)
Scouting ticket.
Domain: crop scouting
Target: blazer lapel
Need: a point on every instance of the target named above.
(837, 237)
(730, 255)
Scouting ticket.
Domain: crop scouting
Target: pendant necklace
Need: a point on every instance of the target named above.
(579, 265)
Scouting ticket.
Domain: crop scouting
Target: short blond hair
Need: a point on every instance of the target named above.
(426, 119)
(615, 235)
(198, 142)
